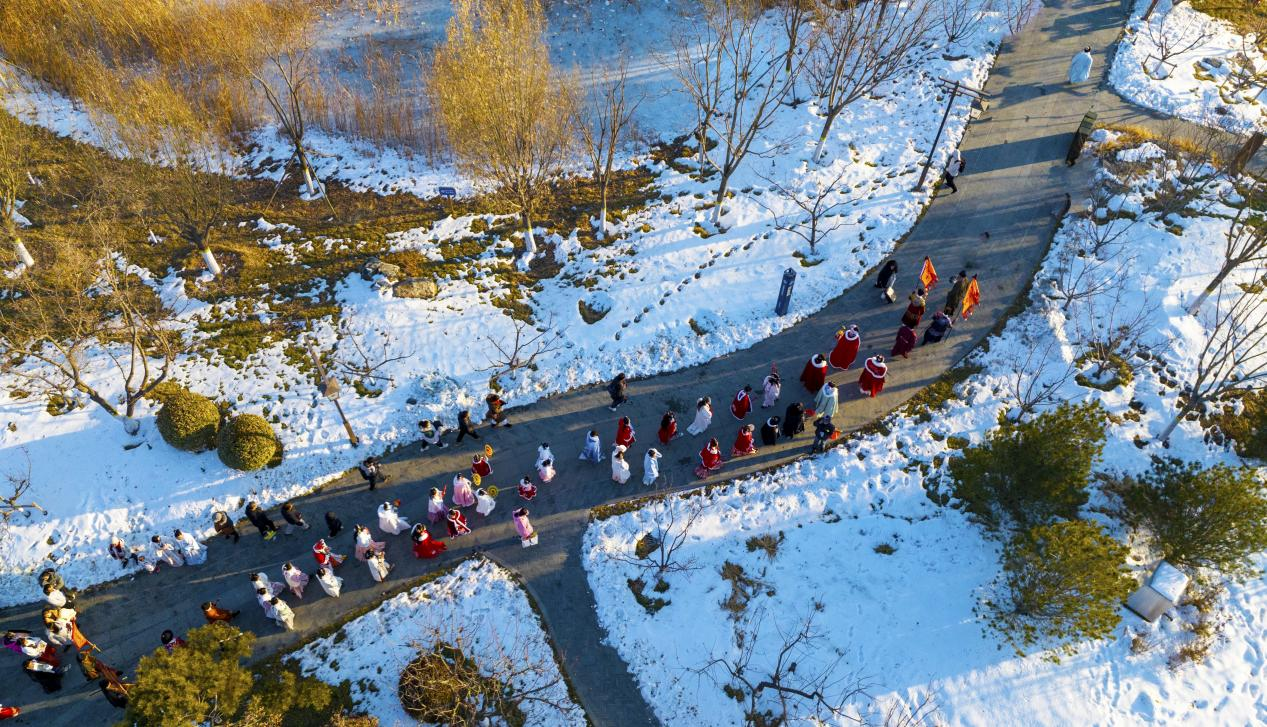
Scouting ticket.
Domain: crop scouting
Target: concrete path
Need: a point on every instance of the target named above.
(1014, 189)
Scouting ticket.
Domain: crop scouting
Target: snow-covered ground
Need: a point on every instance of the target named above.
(478, 606)
(904, 620)
(1195, 81)
(661, 284)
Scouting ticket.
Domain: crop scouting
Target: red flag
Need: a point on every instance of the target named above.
(928, 275)
(971, 298)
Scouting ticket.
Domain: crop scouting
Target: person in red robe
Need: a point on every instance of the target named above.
(425, 546)
(815, 373)
(480, 466)
(846, 350)
(326, 557)
(668, 428)
(873, 372)
(710, 457)
(742, 403)
(7, 712)
(915, 309)
(527, 490)
(743, 442)
(456, 524)
(905, 341)
(625, 436)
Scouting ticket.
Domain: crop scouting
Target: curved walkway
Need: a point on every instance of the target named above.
(1014, 189)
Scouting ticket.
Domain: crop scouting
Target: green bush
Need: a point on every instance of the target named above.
(247, 442)
(1247, 429)
(1061, 583)
(1214, 518)
(1034, 471)
(188, 421)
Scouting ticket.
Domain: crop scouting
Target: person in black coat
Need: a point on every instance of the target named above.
(294, 518)
(770, 430)
(46, 675)
(372, 472)
(333, 523)
(618, 389)
(465, 428)
(794, 420)
(260, 520)
(823, 429)
(888, 274)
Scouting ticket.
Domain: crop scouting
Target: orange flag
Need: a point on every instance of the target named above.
(971, 298)
(928, 274)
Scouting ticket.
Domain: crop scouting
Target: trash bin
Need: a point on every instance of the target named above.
(785, 292)
(1080, 137)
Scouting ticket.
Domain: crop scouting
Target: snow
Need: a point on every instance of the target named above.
(908, 621)
(1197, 87)
(660, 283)
(479, 605)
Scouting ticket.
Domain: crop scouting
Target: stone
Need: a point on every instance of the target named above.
(374, 267)
(416, 288)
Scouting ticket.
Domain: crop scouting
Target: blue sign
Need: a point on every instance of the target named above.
(447, 192)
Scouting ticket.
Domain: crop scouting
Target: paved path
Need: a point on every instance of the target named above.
(1013, 189)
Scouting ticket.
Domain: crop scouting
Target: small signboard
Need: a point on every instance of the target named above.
(449, 192)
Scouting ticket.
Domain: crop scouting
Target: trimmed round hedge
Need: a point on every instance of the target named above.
(188, 421)
(247, 442)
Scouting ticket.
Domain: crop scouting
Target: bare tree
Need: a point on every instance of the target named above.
(292, 74)
(1244, 243)
(1037, 379)
(816, 202)
(11, 504)
(1172, 37)
(608, 120)
(959, 19)
(1084, 272)
(16, 150)
(525, 346)
(445, 685)
(919, 711)
(860, 46)
(658, 550)
(1110, 329)
(1016, 13)
(51, 325)
(736, 76)
(357, 358)
(506, 110)
(792, 683)
(1233, 357)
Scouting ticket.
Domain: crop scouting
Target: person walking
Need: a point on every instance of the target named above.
(625, 436)
(496, 411)
(48, 677)
(771, 387)
(958, 289)
(260, 520)
(650, 466)
(329, 582)
(845, 351)
(938, 329)
(743, 442)
(379, 567)
(366, 544)
(213, 613)
(1080, 66)
(425, 546)
(918, 303)
(372, 472)
(884, 281)
(465, 427)
(668, 428)
(545, 471)
(823, 431)
(484, 502)
(463, 492)
(954, 167)
(161, 550)
(527, 490)
(618, 390)
(593, 451)
(224, 526)
(620, 468)
(770, 431)
(456, 524)
(710, 459)
(295, 579)
(703, 416)
(742, 403)
(170, 641)
(333, 523)
(905, 342)
(430, 434)
(874, 371)
(814, 373)
(294, 518)
(794, 420)
(390, 521)
(260, 582)
(436, 509)
(191, 551)
(523, 526)
(282, 614)
(544, 454)
(827, 401)
(481, 466)
(325, 556)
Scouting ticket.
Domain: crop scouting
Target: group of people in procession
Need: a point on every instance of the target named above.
(446, 505)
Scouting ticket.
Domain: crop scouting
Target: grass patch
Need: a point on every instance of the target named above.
(769, 543)
(652, 604)
(1246, 16)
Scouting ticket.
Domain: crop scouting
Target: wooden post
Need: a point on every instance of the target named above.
(1245, 153)
(1148, 13)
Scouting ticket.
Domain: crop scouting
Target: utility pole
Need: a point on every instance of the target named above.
(955, 89)
(329, 388)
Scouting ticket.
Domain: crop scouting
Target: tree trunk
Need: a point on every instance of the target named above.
(721, 197)
(1209, 289)
(822, 136)
(209, 258)
(530, 242)
(23, 254)
(1164, 437)
(1148, 13)
(602, 215)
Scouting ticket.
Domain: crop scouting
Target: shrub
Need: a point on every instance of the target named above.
(445, 686)
(247, 442)
(1031, 472)
(1061, 582)
(1248, 429)
(1214, 518)
(188, 421)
